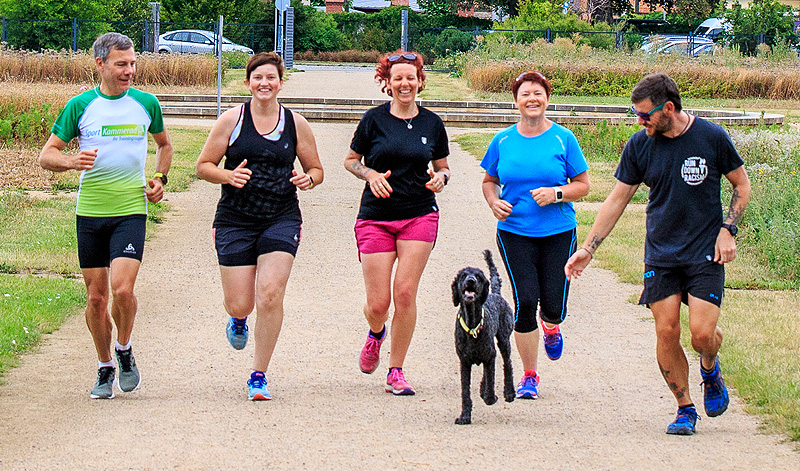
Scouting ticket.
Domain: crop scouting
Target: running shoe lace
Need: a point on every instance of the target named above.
(551, 340)
(125, 360)
(258, 381)
(373, 346)
(104, 374)
(238, 329)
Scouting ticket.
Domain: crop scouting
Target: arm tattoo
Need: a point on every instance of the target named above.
(595, 242)
(359, 170)
(734, 211)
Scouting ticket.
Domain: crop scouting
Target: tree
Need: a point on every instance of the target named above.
(767, 17)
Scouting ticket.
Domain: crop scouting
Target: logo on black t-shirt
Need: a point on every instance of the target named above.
(694, 170)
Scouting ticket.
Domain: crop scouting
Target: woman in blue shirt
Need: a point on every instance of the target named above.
(534, 170)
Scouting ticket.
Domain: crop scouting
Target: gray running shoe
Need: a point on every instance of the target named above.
(129, 378)
(104, 387)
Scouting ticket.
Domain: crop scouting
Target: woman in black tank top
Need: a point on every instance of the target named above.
(257, 225)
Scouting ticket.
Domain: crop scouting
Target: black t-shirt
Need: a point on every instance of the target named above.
(269, 193)
(387, 144)
(684, 214)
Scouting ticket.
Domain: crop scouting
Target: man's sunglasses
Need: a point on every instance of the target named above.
(409, 56)
(646, 116)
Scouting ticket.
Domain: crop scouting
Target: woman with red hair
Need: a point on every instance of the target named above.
(400, 150)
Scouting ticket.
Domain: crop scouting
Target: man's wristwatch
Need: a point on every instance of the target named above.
(161, 177)
(559, 194)
(731, 228)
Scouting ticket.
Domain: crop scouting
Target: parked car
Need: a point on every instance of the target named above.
(712, 28)
(678, 45)
(196, 41)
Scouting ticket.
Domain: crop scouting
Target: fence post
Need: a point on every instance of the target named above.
(145, 37)
(547, 36)
(761, 38)
(74, 35)
(619, 40)
(404, 30)
(3, 34)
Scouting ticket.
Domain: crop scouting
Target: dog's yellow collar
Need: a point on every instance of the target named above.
(473, 332)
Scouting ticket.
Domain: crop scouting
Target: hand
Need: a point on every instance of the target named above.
(436, 183)
(156, 191)
(240, 175)
(84, 160)
(725, 248)
(302, 181)
(544, 195)
(378, 184)
(577, 262)
(501, 209)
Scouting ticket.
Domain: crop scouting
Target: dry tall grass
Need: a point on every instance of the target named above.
(79, 68)
(576, 70)
(351, 55)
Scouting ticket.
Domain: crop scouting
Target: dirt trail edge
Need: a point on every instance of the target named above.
(602, 406)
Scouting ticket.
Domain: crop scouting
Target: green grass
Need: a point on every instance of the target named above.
(31, 306)
(44, 241)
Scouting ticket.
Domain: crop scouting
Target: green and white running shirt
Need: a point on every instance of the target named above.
(117, 126)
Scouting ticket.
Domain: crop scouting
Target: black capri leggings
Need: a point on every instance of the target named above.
(535, 266)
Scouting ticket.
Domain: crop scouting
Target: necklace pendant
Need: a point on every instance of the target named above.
(409, 126)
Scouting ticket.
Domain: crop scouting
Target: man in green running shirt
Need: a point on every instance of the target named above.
(111, 123)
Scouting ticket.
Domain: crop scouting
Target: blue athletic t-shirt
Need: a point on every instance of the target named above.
(526, 163)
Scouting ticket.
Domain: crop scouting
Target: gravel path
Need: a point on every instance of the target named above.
(602, 406)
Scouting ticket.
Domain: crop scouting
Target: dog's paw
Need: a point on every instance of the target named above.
(489, 400)
(464, 420)
(510, 397)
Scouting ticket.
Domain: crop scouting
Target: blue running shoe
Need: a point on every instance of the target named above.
(237, 334)
(553, 343)
(257, 387)
(684, 421)
(715, 394)
(528, 387)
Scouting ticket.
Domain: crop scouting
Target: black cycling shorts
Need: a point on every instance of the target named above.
(102, 239)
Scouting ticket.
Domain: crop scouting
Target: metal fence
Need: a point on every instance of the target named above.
(75, 34)
(439, 41)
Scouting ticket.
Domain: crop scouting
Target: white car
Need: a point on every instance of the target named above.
(196, 41)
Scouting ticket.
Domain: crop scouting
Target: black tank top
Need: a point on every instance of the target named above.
(270, 157)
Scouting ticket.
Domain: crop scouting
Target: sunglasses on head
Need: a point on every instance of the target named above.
(535, 74)
(646, 116)
(409, 56)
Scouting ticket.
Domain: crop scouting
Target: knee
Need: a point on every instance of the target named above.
(668, 331)
(123, 293)
(404, 297)
(97, 302)
(239, 307)
(701, 340)
(269, 296)
(377, 306)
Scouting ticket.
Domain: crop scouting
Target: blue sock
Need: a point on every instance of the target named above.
(257, 374)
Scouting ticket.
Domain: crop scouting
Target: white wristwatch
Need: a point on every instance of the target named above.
(559, 194)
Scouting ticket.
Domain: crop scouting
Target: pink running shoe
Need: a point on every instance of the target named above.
(371, 354)
(396, 383)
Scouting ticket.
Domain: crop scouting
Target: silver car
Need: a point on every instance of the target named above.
(196, 41)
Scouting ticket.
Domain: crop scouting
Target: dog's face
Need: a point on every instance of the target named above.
(470, 286)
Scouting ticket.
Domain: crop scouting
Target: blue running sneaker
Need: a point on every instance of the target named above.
(553, 343)
(684, 421)
(715, 394)
(237, 334)
(528, 387)
(257, 387)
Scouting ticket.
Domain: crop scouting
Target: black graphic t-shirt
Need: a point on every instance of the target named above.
(387, 144)
(684, 214)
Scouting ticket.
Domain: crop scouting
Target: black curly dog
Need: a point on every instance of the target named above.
(483, 315)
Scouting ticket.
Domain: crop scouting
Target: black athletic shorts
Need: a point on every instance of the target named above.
(704, 281)
(102, 239)
(241, 246)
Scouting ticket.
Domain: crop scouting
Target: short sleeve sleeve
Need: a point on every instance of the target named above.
(66, 125)
(153, 108)
(362, 138)
(728, 158)
(441, 148)
(491, 157)
(576, 161)
(628, 170)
